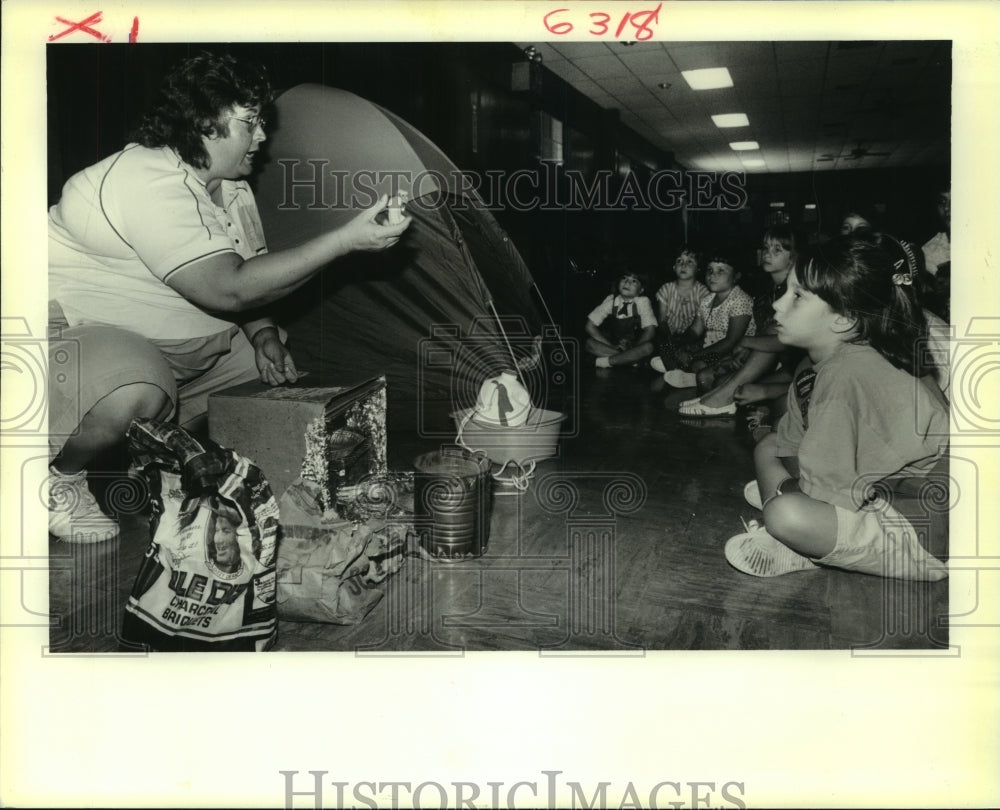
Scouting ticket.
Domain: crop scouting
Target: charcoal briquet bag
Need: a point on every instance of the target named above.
(208, 580)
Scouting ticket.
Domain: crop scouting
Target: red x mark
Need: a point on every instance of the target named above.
(83, 25)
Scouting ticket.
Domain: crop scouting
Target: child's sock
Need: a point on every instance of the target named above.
(603, 362)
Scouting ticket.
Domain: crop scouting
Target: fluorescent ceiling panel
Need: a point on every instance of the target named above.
(708, 78)
(731, 120)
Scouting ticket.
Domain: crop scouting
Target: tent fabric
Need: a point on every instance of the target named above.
(430, 313)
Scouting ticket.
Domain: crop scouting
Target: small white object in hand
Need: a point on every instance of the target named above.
(396, 207)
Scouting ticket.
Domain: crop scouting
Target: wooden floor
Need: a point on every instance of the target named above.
(615, 548)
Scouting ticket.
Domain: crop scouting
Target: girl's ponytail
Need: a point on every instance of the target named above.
(903, 328)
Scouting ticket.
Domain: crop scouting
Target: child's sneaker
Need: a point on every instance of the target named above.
(751, 494)
(757, 553)
(74, 515)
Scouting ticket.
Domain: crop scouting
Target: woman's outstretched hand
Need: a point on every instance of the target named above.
(364, 232)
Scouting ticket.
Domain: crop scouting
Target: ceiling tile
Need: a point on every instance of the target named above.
(659, 117)
(674, 80)
(646, 63)
(620, 85)
(581, 50)
(566, 70)
(802, 77)
(643, 101)
(696, 56)
(601, 66)
(605, 100)
(804, 99)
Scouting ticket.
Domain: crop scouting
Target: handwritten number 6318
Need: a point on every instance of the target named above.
(641, 21)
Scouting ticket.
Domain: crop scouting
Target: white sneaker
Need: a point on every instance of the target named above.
(751, 494)
(74, 515)
(759, 554)
(657, 364)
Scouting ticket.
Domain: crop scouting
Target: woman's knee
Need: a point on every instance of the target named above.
(132, 401)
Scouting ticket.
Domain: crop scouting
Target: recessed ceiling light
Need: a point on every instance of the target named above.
(744, 146)
(707, 78)
(753, 164)
(731, 120)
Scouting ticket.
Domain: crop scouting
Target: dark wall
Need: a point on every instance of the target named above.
(903, 200)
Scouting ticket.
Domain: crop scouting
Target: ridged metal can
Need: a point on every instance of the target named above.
(453, 503)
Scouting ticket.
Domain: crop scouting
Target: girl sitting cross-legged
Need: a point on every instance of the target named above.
(723, 319)
(864, 420)
(769, 364)
(679, 302)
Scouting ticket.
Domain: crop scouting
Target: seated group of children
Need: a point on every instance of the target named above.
(709, 335)
(840, 344)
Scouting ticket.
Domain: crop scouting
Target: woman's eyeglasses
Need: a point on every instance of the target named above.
(252, 123)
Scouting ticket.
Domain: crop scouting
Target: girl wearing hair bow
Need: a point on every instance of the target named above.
(864, 420)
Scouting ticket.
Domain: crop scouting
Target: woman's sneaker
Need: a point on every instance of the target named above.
(74, 515)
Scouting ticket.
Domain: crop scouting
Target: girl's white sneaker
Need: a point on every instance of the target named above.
(759, 554)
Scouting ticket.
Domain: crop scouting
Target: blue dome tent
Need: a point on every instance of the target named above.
(449, 306)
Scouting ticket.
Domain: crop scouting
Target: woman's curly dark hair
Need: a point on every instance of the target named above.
(192, 99)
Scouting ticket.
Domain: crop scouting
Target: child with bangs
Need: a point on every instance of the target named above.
(724, 317)
(865, 422)
(759, 377)
(621, 328)
(678, 303)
